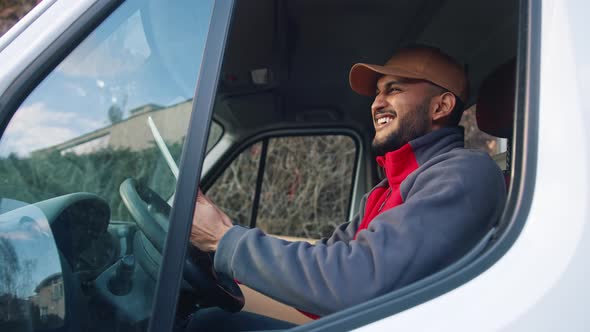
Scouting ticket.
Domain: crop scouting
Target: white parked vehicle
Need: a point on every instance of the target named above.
(249, 99)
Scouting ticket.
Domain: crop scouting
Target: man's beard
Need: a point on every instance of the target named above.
(412, 126)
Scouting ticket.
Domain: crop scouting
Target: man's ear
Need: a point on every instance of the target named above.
(446, 104)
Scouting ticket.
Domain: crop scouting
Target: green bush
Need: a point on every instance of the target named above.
(47, 175)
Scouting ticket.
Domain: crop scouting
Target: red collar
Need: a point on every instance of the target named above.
(398, 164)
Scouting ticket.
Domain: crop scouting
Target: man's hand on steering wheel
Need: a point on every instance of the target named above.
(151, 214)
(209, 224)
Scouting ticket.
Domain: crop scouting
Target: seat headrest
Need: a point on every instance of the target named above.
(495, 104)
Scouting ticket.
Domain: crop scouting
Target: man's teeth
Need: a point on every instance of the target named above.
(384, 120)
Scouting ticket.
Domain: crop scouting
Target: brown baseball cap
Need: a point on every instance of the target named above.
(423, 62)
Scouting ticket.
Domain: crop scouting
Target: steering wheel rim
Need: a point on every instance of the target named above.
(151, 212)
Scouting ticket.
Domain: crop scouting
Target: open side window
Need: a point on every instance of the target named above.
(287, 67)
(516, 106)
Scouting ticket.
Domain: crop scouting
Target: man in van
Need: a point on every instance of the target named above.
(436, 202)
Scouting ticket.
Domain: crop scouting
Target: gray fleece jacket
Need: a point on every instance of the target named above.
(449, 202)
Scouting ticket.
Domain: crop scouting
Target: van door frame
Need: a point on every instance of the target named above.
(191, 162)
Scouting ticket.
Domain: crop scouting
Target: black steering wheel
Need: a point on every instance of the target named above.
(151, 214)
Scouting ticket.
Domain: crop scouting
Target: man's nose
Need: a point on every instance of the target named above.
(378, 103)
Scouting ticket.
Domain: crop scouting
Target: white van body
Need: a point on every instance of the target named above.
(540, 283)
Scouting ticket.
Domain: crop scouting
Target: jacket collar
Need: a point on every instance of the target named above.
(398, 164)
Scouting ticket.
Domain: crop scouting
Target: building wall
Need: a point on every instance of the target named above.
(132, 133)
(135, 134)
(50, 299)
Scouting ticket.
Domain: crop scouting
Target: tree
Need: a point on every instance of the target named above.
(115, 113)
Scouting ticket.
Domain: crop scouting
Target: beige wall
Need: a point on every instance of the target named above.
(135, 134)
(51, 298)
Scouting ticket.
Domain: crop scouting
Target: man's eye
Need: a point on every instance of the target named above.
(389, 90)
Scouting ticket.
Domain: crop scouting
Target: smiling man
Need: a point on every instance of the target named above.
(436, 202)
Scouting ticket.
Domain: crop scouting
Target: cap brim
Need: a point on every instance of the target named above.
(363, 77)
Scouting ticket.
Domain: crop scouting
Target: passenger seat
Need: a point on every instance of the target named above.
(495, 109)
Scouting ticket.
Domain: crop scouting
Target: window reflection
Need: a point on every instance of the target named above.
(75, 139)
(31, 283)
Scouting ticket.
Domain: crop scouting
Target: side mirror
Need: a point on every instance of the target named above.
(32, 286)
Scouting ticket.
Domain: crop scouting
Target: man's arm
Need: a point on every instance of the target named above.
(344, 232)
(210, 223)
(448, 209)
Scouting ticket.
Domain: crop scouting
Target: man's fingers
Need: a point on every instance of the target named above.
(201, 198)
